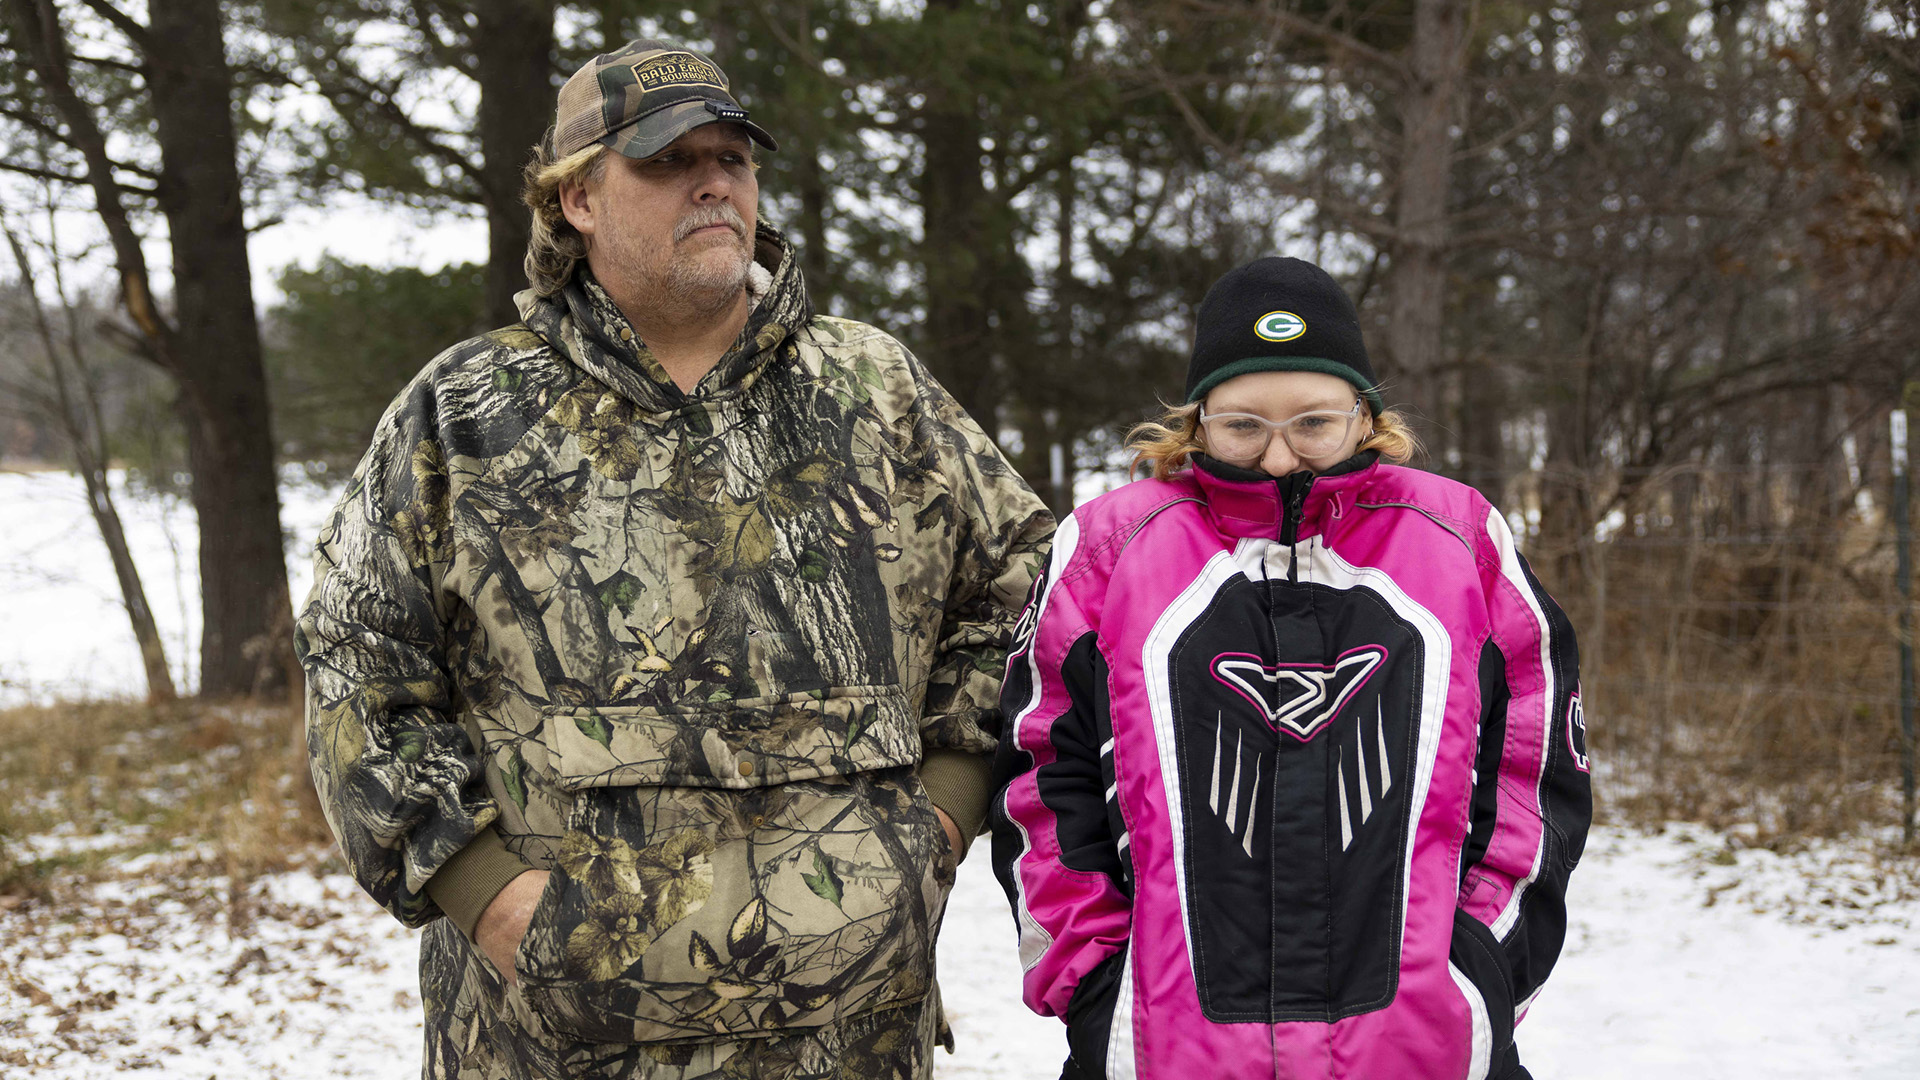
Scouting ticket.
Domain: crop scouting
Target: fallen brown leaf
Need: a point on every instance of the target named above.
(32, 993)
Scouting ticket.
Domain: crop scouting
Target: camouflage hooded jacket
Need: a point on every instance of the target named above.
(685, 650)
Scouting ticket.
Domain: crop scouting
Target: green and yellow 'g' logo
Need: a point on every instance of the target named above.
(1280, 326)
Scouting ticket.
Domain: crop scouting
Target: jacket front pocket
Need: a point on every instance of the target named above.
(1478, 958)
(741, 744)
(722, 877)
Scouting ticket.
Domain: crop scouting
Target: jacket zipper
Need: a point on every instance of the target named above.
(1293, 496)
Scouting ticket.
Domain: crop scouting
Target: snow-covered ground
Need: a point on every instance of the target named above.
(1685, 960)
(63, 632)
(1686, 957)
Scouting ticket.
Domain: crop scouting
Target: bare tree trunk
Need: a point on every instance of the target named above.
(1569, 499)
(90, 459)
(133, 594)
(513, 49)
(1418, 282)
(1483, 412)
(814, 201)
(39, 28)
(1059, 486)
(1668, 717)
(212, 348)
(953, 258)
(247, 643)
(609, 21)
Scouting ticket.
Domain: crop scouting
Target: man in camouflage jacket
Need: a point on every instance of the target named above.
(656, 641)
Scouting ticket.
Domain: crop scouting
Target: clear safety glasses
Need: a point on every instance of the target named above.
(1242, 438)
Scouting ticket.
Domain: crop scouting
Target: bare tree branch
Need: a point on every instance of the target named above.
(35, 124)
(353, 88)
(1323, 32)
(132, 340)
(801, 46)
(440, 51)
(121, 21)
(1355, 216)
(70, 178)
(24, 400)
(114, 65)
(1513, 131)
(45, 44)
(42, 174)
(89, 386)
(263, 75)
(88, 444)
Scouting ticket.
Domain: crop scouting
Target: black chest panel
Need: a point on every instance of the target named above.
(1297, 712)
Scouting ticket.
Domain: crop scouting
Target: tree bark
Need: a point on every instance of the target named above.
(212, 348)
(246, 639)
(38, 25)
(814, 199)
(1484, 404)
(953, 257)
(1419, 274)
(1569, 503)
(513, 49)
(1059, 487)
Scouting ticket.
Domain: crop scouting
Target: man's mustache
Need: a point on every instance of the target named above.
(718, 215)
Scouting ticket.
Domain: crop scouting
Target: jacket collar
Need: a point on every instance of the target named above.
(583, 324)
(1243, 502)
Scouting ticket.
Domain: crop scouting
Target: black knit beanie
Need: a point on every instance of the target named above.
(1278, 314)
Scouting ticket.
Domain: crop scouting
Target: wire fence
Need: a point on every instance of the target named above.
(1740, 638)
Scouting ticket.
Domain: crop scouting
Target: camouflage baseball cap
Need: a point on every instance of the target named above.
(642, 97)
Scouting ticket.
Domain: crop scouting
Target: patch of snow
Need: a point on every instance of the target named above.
(1685, 958)
(994, 1035)
(66, 635)
(312, 982)
(66, 839)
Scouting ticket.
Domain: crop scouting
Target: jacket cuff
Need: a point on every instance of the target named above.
(465, 884)
(960, 784)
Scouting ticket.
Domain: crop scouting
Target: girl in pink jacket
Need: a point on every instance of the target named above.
(1294, 768)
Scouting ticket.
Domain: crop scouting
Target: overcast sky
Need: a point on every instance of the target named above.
(361, 232)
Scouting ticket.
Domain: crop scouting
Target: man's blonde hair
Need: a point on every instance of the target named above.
(554, 246)
(1164, 445)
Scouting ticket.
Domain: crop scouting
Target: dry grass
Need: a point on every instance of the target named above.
(223, 788)
(1747, 686)
(1732, 677)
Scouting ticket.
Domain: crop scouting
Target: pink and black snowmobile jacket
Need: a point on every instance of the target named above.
(1294, 775)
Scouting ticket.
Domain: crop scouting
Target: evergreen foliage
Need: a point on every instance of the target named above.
(348, 337)
(1668, 235)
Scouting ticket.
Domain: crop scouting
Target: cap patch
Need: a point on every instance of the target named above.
(677, 69)
(1280, 326)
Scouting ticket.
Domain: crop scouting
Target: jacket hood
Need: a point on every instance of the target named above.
(583, 324)
(1243, 502)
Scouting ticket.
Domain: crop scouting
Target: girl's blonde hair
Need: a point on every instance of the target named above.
(1163, 445)
(554, 246)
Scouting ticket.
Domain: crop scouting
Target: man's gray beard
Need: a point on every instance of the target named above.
(654, 285)
(706, 286)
